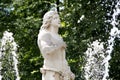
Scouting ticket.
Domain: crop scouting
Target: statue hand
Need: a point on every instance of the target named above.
(64, 45)
(68, 75)
(72, 75)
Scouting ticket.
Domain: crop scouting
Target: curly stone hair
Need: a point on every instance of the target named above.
(47, 19)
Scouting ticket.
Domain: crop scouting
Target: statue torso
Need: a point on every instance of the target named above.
(55, 60)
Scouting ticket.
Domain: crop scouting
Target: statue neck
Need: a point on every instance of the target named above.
(53, 29)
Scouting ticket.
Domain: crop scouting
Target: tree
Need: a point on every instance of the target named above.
(83, 21)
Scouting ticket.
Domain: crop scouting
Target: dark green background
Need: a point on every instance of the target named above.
(25, 21)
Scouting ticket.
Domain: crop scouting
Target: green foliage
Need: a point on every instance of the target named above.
(24, 18)
(80, 32)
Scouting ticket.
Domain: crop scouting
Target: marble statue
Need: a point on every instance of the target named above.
(52, 48)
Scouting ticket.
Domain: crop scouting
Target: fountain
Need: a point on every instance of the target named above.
(113, 34)
(8, 57)
(94, 69)
(97, 58)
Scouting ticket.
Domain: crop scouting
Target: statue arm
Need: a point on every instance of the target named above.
(47, 45)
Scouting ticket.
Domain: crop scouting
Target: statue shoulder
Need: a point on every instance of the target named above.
(44, 34)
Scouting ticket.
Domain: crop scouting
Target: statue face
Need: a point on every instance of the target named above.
(55, 21)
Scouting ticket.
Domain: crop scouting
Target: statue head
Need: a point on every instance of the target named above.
(51, 18)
